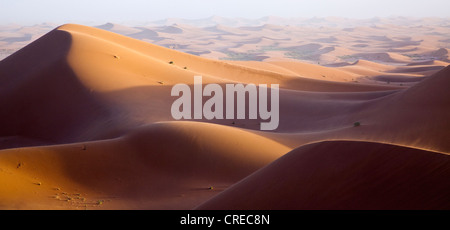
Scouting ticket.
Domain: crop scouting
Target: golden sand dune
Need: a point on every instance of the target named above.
(94, 108)
(317, 40)
(89, 68)
(162, 166)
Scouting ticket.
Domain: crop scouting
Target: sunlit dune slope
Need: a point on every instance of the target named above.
(161, 166)
(86, 124)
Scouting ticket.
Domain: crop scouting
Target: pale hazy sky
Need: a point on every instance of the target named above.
(101, 11)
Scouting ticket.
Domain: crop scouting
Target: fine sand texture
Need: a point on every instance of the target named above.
(86, 119)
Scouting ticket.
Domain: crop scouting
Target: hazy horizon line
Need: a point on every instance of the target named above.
(211, 18)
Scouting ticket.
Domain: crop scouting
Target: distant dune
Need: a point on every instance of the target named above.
(86, 121)
(323, 41)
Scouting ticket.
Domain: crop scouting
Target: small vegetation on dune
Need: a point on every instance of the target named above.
(356, 124)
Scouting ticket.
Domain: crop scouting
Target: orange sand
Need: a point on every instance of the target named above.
(86, 124)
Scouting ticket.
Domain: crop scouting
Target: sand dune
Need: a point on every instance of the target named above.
(117, 68)
(86, 123)
(116, 28)
(382, 40)
(386, 116)
(162, 166)
(344, 175)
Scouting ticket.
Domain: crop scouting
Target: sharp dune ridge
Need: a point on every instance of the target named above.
(344, 175)
(86, 124)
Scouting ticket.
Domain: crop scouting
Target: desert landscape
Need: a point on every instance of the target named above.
(364, 109)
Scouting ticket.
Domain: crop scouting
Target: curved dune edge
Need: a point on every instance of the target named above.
(161, 166)
(111, 99)
(98, 76)
(344, 175)
(128, 60)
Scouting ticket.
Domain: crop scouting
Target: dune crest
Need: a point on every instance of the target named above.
(344, 175)
(162, 161)
(86, 123)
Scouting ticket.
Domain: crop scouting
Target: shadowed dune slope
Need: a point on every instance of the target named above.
(57, 89)
(417, 115)
(42, 98)
(344, 175)
(96, 106)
